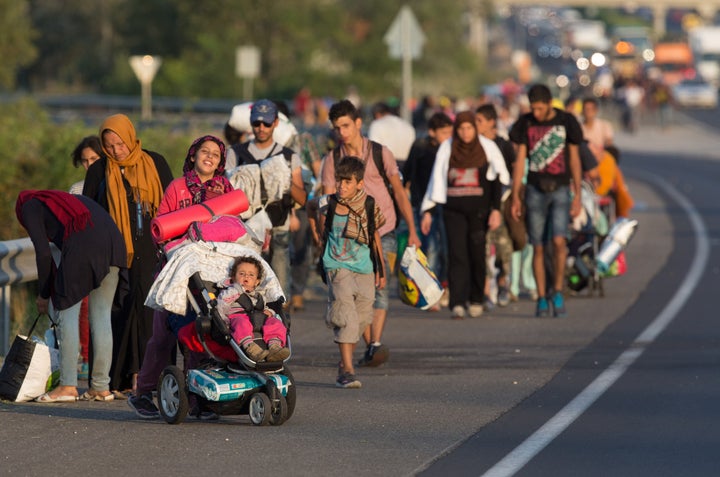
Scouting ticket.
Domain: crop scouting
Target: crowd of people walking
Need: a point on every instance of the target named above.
(487, 190)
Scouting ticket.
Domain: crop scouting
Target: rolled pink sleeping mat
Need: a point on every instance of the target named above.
(173, 224)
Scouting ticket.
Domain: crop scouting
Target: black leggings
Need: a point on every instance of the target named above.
(466, 231)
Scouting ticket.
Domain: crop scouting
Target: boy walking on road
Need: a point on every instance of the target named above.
(550, 139)
(348, 222)
(386, 188)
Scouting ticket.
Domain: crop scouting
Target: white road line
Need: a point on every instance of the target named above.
(534, 444)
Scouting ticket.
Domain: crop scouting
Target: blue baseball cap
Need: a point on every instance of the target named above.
(263, 110)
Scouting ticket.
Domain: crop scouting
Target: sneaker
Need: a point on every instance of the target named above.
(503, 298)
(255, 352)
(277, 352)
(458, 312)
(475, 310)
(488, 304)
(144, 406)
(203, 415)
(347, 381)
(298, 303)
(542, 309)
(375, 355)
(558, 304)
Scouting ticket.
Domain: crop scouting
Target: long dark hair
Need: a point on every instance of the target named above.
(93, 142)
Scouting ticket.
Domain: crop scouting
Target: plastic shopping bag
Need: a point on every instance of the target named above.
(419, 287)
(30, 369)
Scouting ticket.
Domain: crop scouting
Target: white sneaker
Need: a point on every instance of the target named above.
(475, 310)
(458, 312)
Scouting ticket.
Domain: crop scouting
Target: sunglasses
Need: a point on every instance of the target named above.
(256, 124)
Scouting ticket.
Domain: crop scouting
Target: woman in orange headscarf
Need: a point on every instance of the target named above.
(612, 182)
(129, 184)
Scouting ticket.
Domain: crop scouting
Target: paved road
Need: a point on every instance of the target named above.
(658, 417)
(445, 381)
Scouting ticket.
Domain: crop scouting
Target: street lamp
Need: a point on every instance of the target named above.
(145, 67)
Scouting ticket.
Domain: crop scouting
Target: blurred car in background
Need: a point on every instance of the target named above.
(695, 92)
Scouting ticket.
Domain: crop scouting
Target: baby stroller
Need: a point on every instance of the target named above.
(586, 233)
(229, 382)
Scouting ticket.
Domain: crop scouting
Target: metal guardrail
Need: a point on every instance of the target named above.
(17, 265)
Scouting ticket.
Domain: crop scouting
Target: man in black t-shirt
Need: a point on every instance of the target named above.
(549, 139)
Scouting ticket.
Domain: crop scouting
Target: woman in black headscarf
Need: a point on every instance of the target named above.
(466, 178)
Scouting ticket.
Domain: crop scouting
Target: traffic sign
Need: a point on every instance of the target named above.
(405, 37)
(405, 40)
(145, 67)
(247, 62)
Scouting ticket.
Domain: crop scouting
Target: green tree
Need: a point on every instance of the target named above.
(16, 41)
(326, 45)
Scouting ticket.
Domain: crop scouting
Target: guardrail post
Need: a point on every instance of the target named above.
(5, 320)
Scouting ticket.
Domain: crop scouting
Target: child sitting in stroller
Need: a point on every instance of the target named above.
(243, 307)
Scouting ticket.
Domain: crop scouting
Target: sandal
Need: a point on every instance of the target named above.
(121, 395)
(62, 398)
(96, 396)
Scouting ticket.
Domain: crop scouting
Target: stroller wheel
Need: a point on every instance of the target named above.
(260, 409)
(279, 411)
(291, 393)
(172, 395)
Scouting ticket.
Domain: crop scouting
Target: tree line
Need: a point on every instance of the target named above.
(77, 46)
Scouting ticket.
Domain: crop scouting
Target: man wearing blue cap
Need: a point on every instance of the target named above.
(264, 120)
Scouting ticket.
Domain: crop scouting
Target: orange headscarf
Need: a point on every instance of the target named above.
(139, 171)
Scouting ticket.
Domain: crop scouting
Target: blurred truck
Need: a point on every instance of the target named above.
(674, 60)
(631, 51)
(705, 44)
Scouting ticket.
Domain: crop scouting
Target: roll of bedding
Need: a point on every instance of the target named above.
(174, 224)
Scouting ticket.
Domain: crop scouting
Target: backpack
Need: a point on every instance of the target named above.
(378, 159)
(278, 211)
(330, 214)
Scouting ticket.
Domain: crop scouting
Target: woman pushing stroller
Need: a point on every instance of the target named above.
(203, 179)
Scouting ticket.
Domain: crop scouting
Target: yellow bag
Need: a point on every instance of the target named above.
(419, 287)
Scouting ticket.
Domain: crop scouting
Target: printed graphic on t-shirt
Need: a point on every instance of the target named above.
(546, 146)
(464, 182)
(343, 250)
(345, 253)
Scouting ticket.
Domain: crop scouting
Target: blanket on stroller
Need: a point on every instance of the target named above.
(213, 261)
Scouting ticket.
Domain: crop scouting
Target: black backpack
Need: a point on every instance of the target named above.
(370, 210)
(279, 210)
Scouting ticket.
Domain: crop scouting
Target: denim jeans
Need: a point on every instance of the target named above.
(434, 244)
(280, 258)
(389, 246)
(99, 306)
(548, 213)
(300, 254)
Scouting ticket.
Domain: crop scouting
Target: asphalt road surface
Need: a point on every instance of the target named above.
(458, 397)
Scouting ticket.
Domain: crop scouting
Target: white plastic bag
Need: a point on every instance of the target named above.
(30, 369)
(261, 226)
(419, 287)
